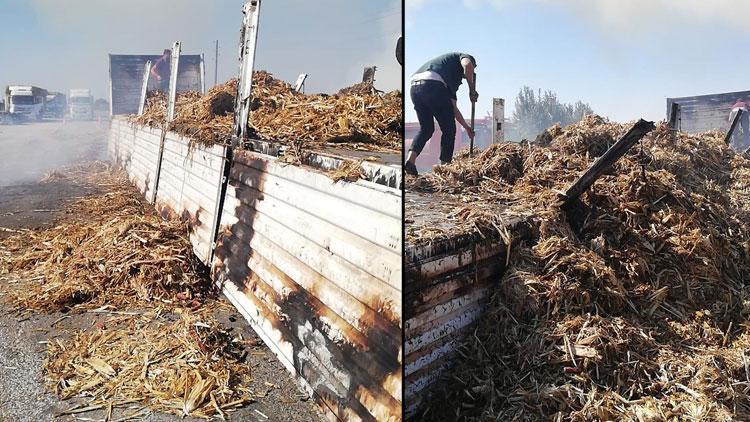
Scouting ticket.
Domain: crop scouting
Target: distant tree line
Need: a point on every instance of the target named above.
(536, 112)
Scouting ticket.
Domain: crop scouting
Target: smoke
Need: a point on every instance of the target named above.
(612, 16)
(65, 44)
(388, 76)
(30, 150)
(631, 17)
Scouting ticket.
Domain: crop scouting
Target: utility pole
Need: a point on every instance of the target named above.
(216, 64)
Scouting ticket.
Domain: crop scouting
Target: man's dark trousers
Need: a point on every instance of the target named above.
(432, 99)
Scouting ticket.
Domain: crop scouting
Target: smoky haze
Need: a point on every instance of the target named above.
(624, 58)
(62, 45)
(59, 45)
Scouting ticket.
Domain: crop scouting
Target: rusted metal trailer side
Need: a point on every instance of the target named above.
(447, 285)
(314, 266)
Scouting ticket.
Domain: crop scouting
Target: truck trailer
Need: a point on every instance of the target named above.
(25, 101)
(81, 104)
(55, 106)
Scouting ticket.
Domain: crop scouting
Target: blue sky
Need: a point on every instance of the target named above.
(64, 44)
(623, 57)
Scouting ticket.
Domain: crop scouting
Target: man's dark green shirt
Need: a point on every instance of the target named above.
(448, 66)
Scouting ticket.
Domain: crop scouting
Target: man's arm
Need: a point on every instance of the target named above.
(469, 75)
(460, 119)
(154, 68)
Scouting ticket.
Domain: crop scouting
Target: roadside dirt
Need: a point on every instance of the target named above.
(23, 338)
(36, 205)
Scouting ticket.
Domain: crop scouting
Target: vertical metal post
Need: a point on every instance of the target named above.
(728, 137)
(7, 106)
(144, 86)
(248, 38)
(498, 118)
(173, 70)
(203, 76)
(216, 64)
(299, 86)
(473, 109)
(368, 75)
(674, 114)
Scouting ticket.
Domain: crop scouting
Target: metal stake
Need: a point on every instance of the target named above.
(144, 87)
(248, 38)
(473, 107)
(736, 120)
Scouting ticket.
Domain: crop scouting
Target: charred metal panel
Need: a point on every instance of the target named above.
(137, 152)
(126, 79)
(388, 175)
(447, 284)
(188, 181)
(316, 266)
(188, 186)
(705, 112)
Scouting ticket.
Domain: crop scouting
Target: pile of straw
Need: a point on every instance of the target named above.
(632, 305)
(356, 117)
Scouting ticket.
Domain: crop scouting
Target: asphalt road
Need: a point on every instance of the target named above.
(27, 152)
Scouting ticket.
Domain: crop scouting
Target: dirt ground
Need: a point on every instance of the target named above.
(25, 204)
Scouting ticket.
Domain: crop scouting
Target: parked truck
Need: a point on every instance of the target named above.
(81, 104)
(55, 106)
(25, 101)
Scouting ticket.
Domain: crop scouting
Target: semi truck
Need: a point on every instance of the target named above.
(81, 104)
(25, 101)
(55, 106)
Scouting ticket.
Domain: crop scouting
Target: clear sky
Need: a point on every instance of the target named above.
(60, 44)
(623, 57)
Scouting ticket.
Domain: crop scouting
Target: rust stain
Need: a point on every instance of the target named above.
(371, 359)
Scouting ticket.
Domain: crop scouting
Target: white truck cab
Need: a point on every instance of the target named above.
(25, 101)
(81, 104)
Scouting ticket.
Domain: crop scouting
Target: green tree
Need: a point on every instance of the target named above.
(536, 112)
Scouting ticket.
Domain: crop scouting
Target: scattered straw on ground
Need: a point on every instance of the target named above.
(183, 364)
(356, 117)
(631, 306)
(116, 250)
(162, 350)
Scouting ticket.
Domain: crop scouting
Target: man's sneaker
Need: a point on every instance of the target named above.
(411, 169)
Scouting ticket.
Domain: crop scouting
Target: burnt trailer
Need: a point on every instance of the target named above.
(701, 113)
(313, 265)
(126, 79)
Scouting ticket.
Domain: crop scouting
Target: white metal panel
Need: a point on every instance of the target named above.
(309, 229)
(382, 263)
(323, 198)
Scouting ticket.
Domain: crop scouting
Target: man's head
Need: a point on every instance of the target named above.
(167, 52)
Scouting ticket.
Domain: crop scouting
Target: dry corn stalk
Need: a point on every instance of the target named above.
(115, 250)
(183, 364)
(355, 117)
(633, 306)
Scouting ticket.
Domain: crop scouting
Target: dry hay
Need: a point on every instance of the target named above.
(356, 117)
(349, 170)
(180, 363)
(115, 250)
(162, 349)
(631, 306)
(88, 173)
